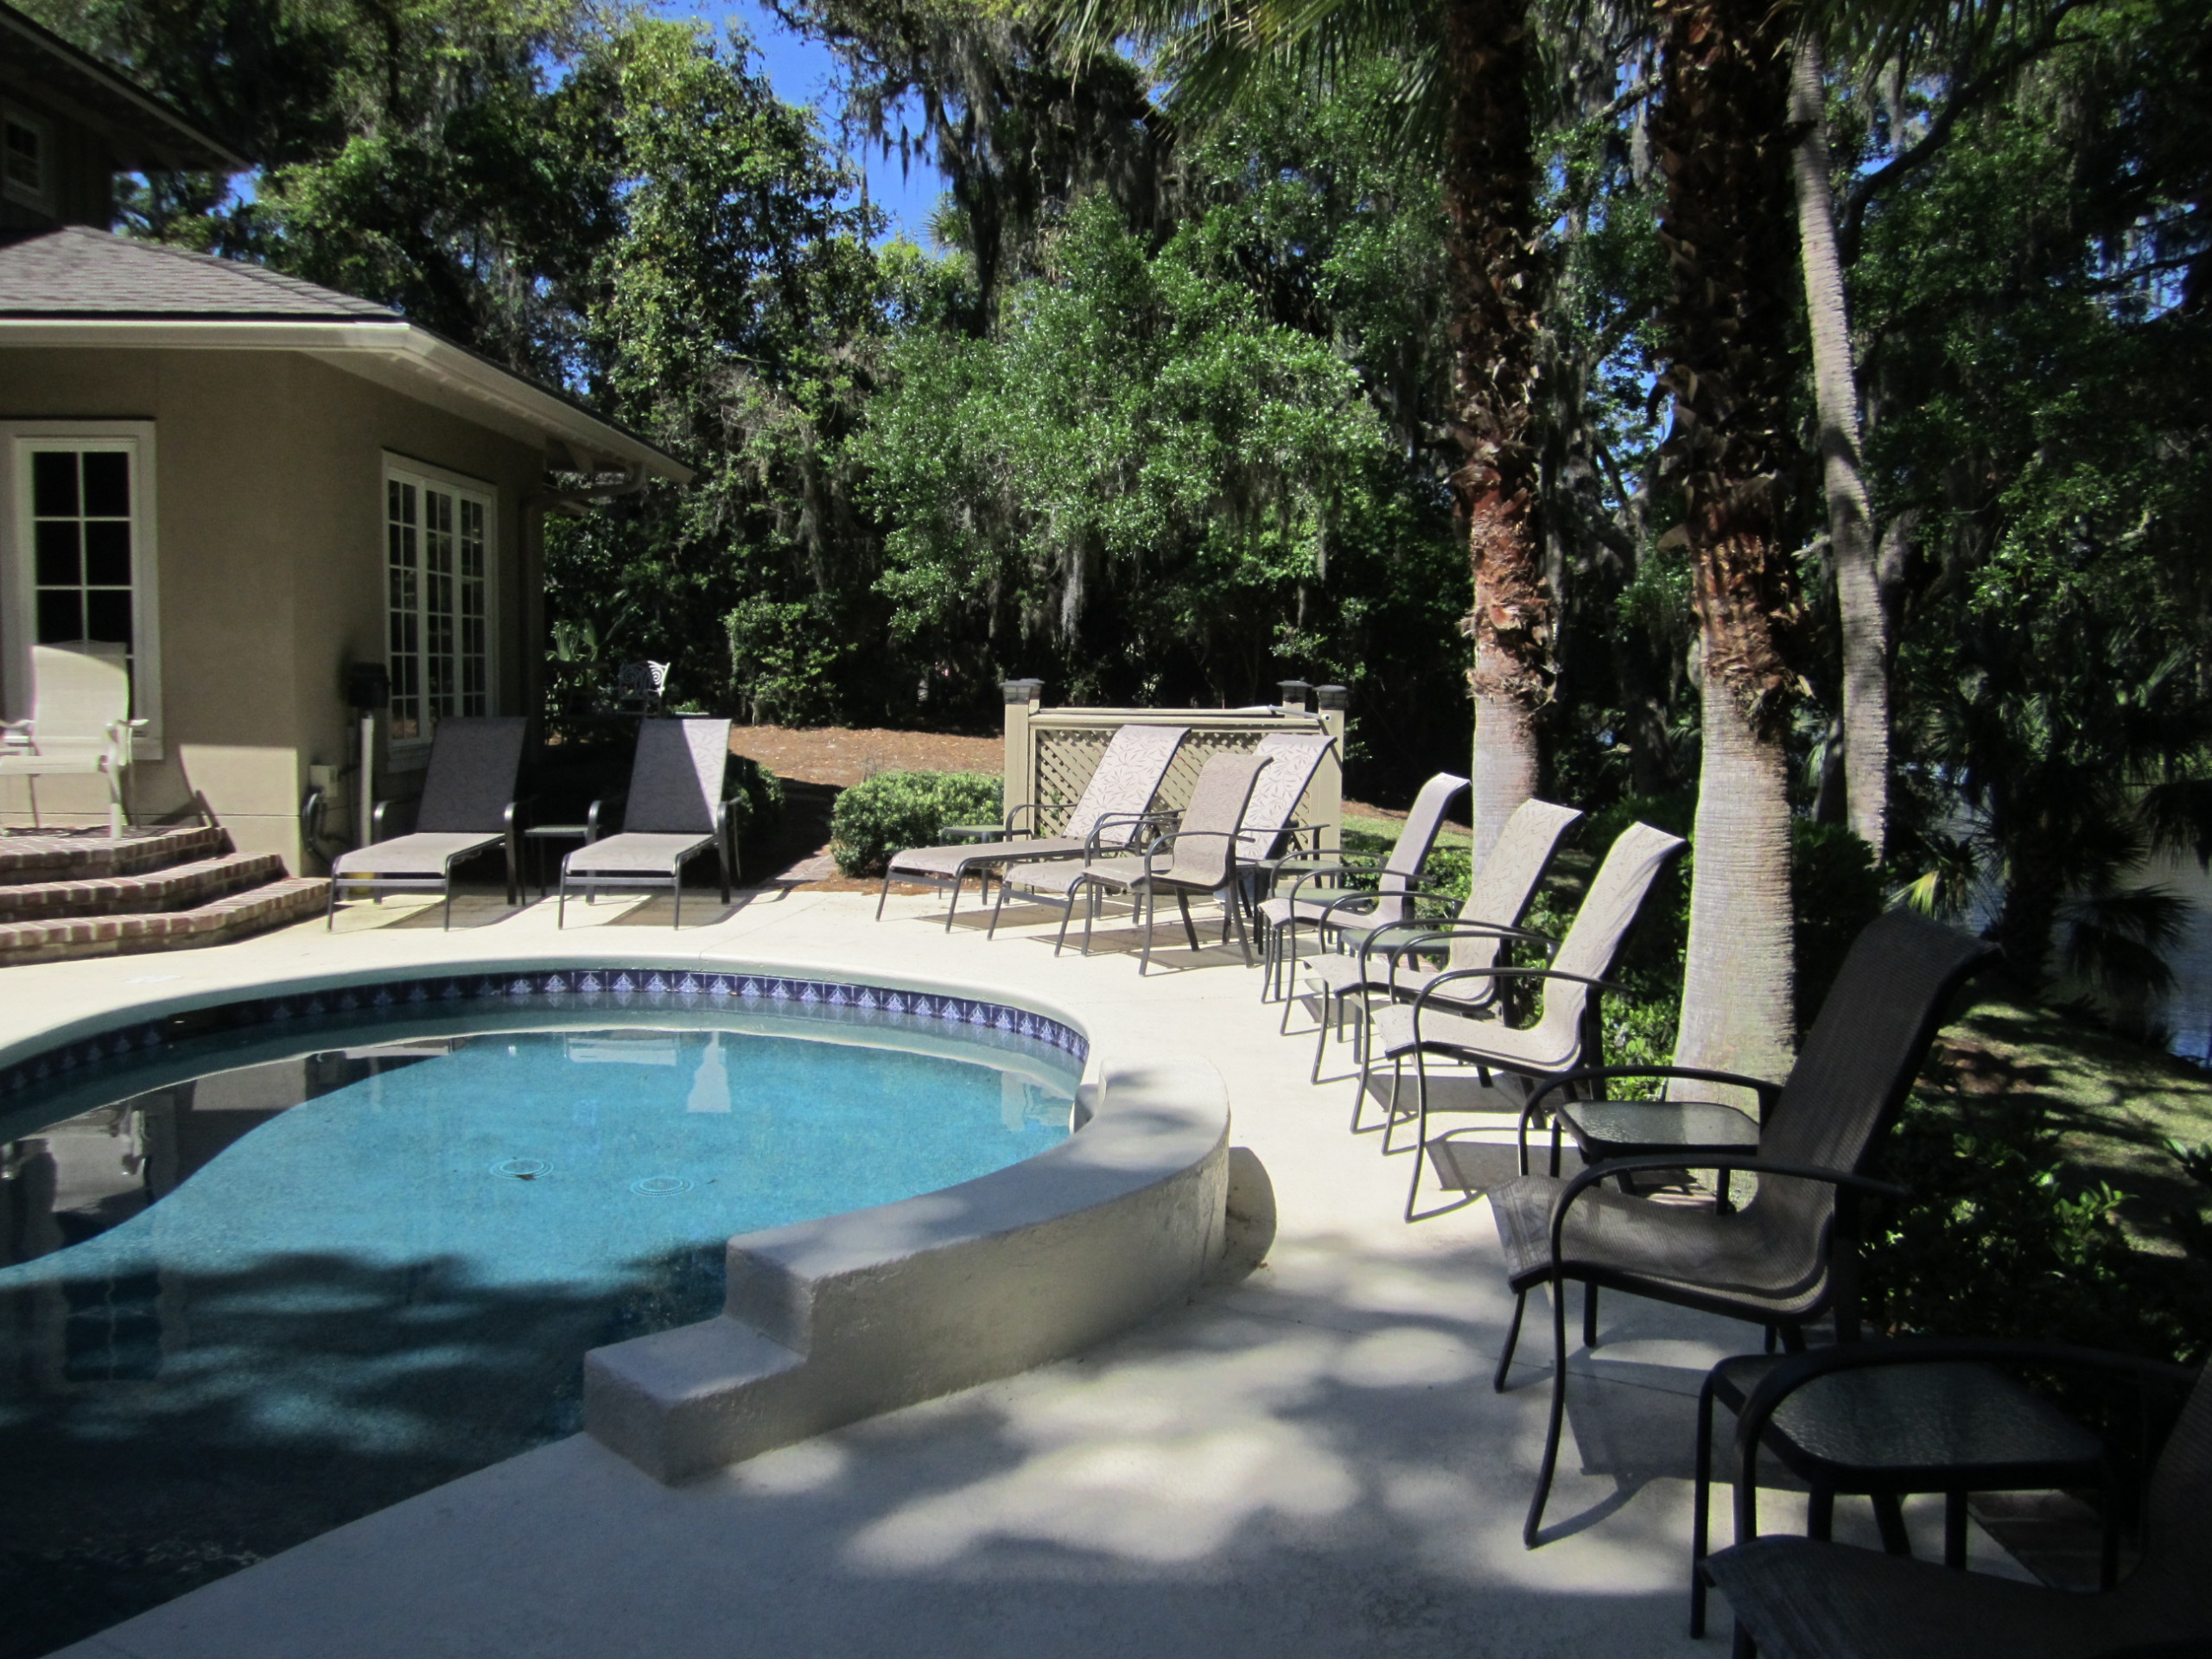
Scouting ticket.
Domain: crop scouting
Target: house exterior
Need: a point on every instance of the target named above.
(256, 483)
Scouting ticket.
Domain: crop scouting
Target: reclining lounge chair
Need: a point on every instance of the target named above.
(673, 811)
(80, 723)
(1107, 818)
(467, 807)
(1203, 845)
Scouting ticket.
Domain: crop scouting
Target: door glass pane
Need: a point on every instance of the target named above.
(107, 486)
(107, 552)
(403, 600)
(54, 482)
(57, 564)
(60, 616)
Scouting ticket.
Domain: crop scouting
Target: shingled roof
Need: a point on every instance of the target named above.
(144, 130)
(77, 272)
(75, 288)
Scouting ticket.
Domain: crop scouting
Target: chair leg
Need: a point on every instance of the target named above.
(447, 926)
(1550, 1464)
(1150, 920)
(1590, 1316)
(883, 897)
(676, 882)
(1321, 1044)
(330, 906)
(1421, 1130)
(1819, 1515)
(959, 880)
(1700, 1517)
(1889, 1521)
(1190, 929)
(561, 910)
(1512, 1341)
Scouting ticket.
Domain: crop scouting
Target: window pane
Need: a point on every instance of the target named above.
(107, 552)
(54, 482)
(107, 614)
(61, 617)
(57, 562)
(107, 485)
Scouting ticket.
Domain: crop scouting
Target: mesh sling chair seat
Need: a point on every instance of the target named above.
(467, 807)
(1801, 1598)
(1203, 848)
(1565, 1030)
(1327, 909)
(1498, 898)
(673, 813)
(80, 723)
(1789, 1254)
(1108, 816)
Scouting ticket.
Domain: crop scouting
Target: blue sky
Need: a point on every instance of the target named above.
(801, 70)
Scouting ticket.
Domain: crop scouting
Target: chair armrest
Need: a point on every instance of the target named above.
(1014, 813)
(1135, 820)
(1429, 990)
(1341, 865)
(1767, 1092)
(1432, 934)
(379, 817)
(605, 806)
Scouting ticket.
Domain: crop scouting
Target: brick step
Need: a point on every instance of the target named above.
(179, 887)
(273, 904)
(44, 856)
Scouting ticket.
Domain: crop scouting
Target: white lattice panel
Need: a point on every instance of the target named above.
(1065, 757)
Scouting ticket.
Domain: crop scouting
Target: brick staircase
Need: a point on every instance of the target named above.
(71, 893)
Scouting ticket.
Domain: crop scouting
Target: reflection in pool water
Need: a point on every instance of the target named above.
(241, 1309)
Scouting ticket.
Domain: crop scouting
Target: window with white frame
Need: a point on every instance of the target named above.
(26, 158)
(439, 533)
(81, 556)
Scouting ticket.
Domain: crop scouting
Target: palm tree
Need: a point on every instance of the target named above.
(1721, 134)
(1465, 89)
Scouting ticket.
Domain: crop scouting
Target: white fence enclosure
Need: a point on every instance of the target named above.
(1051, 752)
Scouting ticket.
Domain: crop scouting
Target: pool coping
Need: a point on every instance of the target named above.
(828, 1321)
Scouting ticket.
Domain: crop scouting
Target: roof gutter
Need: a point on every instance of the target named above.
(398, 342)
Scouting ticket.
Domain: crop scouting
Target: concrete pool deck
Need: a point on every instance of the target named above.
(1308, 1458)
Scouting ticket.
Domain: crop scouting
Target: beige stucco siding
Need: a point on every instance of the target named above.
(269, 512)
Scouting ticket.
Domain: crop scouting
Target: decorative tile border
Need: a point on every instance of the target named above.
(608, 987)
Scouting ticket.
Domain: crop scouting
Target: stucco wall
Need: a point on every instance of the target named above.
(269, 510)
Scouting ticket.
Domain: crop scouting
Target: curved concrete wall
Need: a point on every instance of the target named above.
(837, 1319)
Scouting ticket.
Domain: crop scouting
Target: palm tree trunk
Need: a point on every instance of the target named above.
(1720, 134)
(1864, 622)
(1489, 192)
(1737, 992)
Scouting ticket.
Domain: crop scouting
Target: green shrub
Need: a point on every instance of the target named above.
(893, 810)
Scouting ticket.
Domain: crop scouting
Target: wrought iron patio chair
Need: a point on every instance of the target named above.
(1203, 845)
(1804, 1599)
(467, 807)
(1113, 810)
(673, 811)
(1790, 1253)
(80, 722)
(1565, 1032)
(1385, 961)
(1315, 899)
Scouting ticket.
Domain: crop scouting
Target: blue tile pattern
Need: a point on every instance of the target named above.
(609, 987)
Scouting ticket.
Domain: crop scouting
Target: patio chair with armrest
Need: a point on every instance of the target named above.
(1316, 901)
(1112, 812)
(673, 811)
(1565, 1032)
(1498, 896)
(467, 807)
(1272, 832)
(1204, 847)
(1790, 1254)
(80, 723)
(1810, 1599)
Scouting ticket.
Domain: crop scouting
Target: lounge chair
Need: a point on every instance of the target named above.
(1384, 963)
(1204, 844)
(1565, 1034)
(1108, 817)
(80, 723)
(1313, 902)
(467, 807)
(1800, 1598)
(1789, 1254)
(672, 811)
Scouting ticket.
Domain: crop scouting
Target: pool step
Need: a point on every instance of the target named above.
(180, 886)
(271, 904)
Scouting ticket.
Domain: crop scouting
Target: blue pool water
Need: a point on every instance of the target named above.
(243, 1306)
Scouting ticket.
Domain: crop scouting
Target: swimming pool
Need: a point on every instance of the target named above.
(300, 1262)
